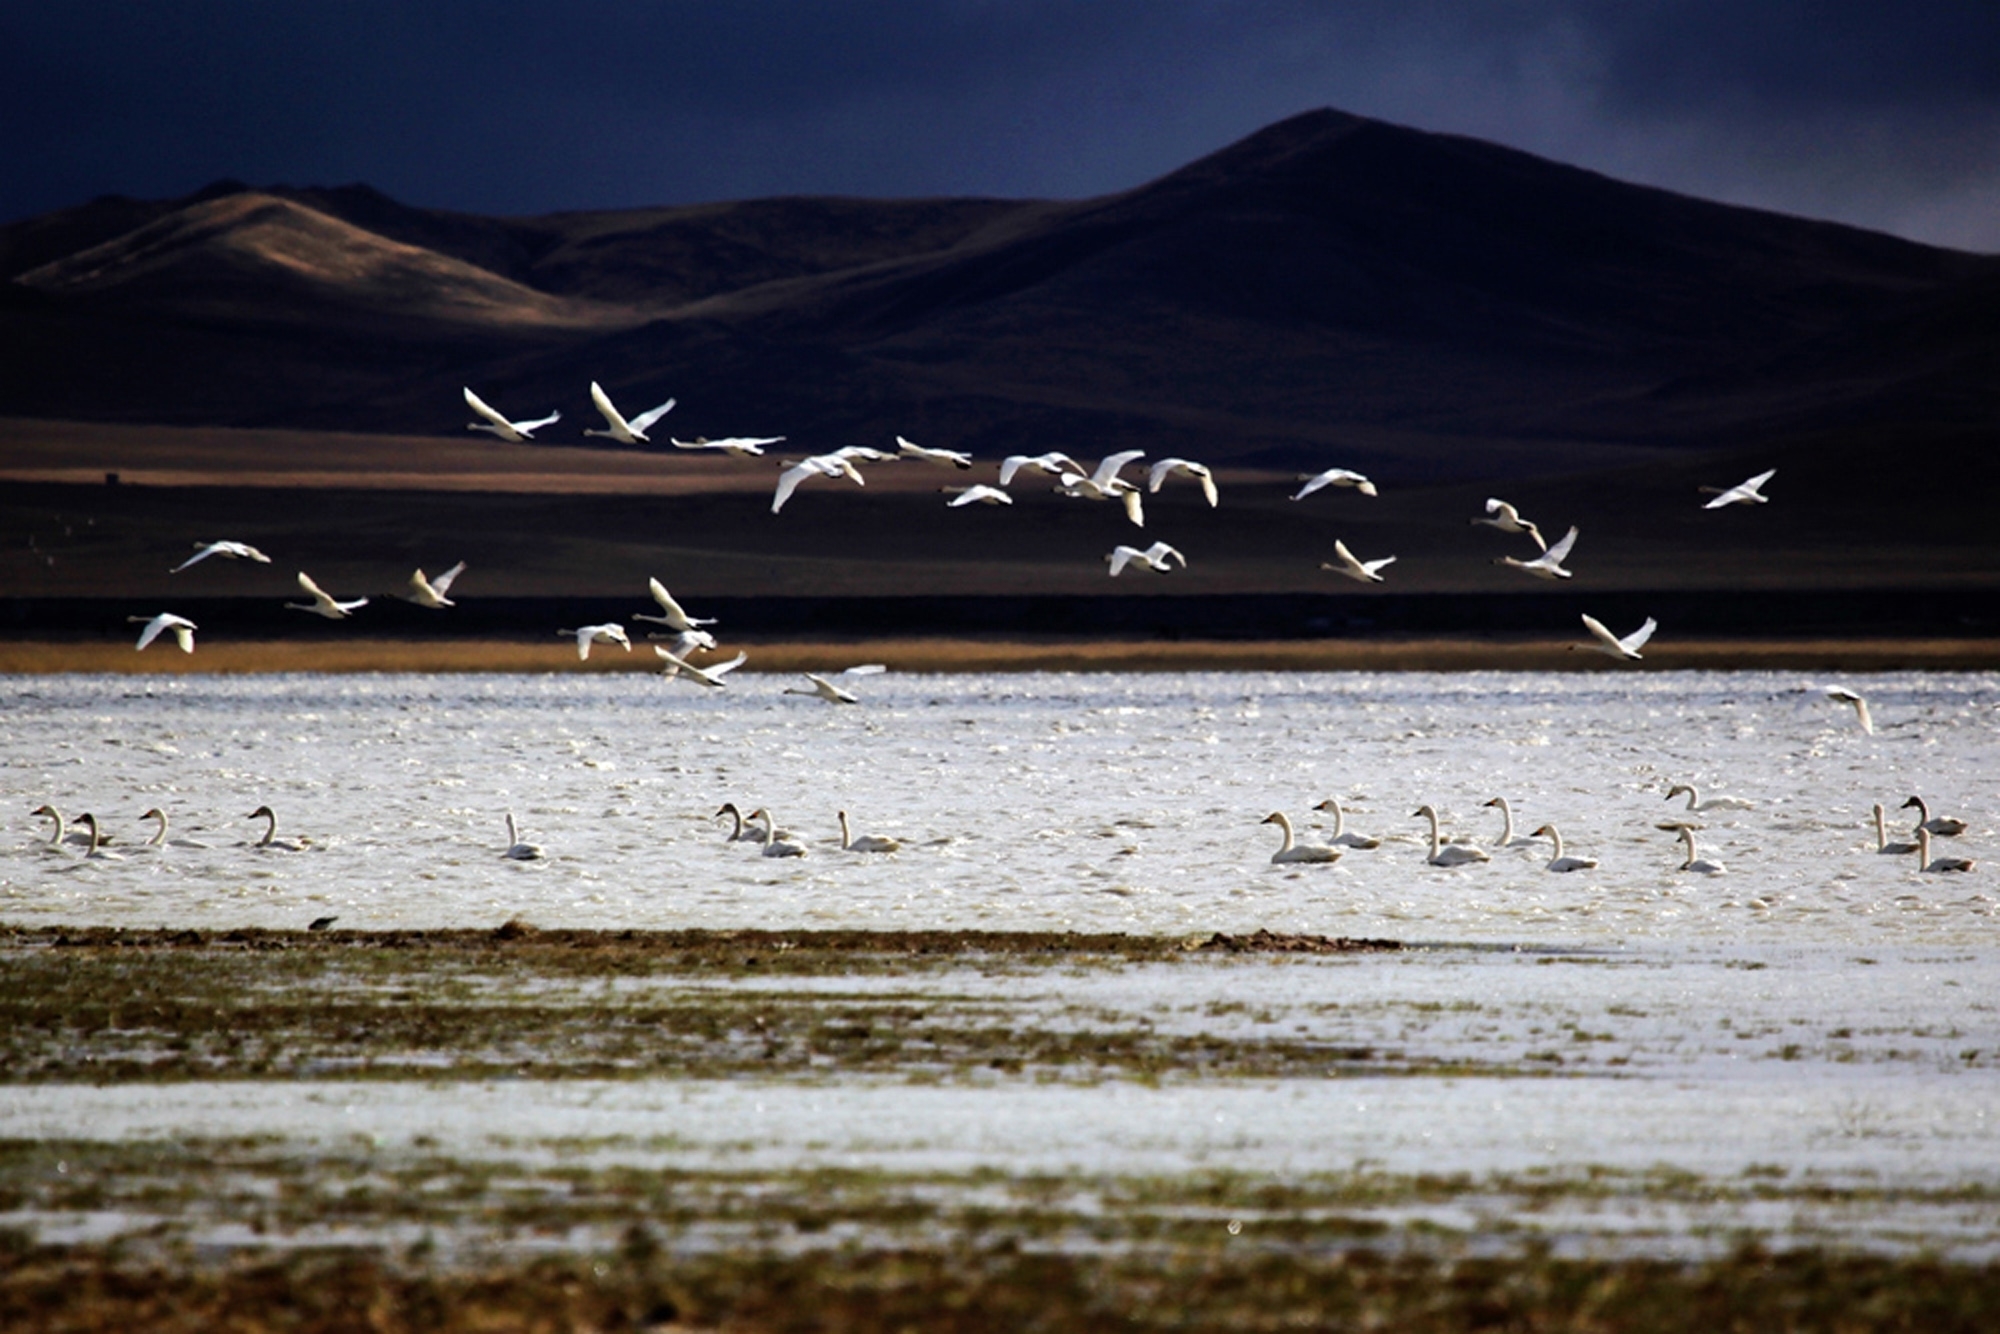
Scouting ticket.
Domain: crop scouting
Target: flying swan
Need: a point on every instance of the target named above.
(1501, 515)
(625, 432)
(432, 592)
(323, 603)
(1361, 571)
(1743, 493)
(1608, 643)
(233, 550)
(182, 627)
(608, 633)
(1548, 565)
(495, 424)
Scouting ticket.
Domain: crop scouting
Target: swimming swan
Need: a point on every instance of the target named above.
(1693, 862)
(271, 839)
(160, 838)
(776, 843)
(866, 843)
(1558, 862)
(1300, 852)
(1443, 854)
(62, 833)
(1507, 838)
(1924, 858)
(1945, 826)
(517, 851)
(1697, 802)
(1340, 839)
(1882, 843)
(95, 848)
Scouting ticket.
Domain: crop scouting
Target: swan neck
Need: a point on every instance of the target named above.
(1285, 827)
(270, 829)
(1555, 837)
(161, 836)
(846, 839)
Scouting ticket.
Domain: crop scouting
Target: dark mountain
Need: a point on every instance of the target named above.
(1331, 288)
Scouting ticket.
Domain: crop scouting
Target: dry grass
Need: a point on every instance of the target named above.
(978, 655)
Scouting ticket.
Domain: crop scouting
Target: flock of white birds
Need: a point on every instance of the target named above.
(685, 634)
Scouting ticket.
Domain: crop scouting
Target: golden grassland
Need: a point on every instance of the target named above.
(982, 655)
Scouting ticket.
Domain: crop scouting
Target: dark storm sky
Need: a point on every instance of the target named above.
(1882, 114)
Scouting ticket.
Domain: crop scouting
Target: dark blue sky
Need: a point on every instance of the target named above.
(1882, 114)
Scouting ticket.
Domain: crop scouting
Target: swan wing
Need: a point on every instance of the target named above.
(612, 418)
(1156, 476)
(1207, 480)
(183, 633)
(1160, 553)
(865, 669)
(1011, 465)
(442, 584)
(479, 405)
(788, 482)
(1557, 553)
(313, 590)
(1313, 484)
(1110, 466)
(721, 669)
(154, 628)
(676, 618)
(645, 419)
(201, 555)
(1121, 556)
(1135, 508)
(1602, 634)
(529, 428)
(1635, 641)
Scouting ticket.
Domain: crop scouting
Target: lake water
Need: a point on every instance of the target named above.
(1819, 1015)
(1092, 802)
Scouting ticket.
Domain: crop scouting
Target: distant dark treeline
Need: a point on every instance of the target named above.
(1747, 614)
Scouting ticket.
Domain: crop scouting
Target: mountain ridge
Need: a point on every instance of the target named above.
(1326, 280)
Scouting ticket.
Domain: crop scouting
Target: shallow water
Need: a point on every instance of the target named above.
(1085, 801)
(1817, 1015)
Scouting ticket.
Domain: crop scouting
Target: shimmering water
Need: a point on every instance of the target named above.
(1085, 801)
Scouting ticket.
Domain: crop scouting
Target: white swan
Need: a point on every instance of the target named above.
(775, 843)
(517, 851)
(819, 465)
(432, 592)
(182, 627)
(1861, 714)
(1159, 557)
(822, 688)
(672, 615)
(1627, 648)
(1507, 838)
(1924, 858)
(323, 603)
(610, 632)
(1156, 477)
(95, 846)
(625, 432)
(1882, 843)
(1292, 852)
(160, 839)
(943, 458)
(979, 494)
(737, 833)
(233, 550)
(1697, 802)
(1361, 571)
(1340, 838)
(1055, 463)
(495, 424)
(271, 839)
(1501, 515)
(867, 842)
(1558, 862)
(736, 446)
(711, 675)
(1334, 477)
(1548, 565)
(1693, 862)
(1743, 493)
(1443, 854)
(62, 833)
(1945, 825)
(1106, 484)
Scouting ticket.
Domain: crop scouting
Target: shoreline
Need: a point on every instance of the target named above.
(252, 657)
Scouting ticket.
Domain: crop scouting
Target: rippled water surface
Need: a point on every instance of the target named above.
(1085, 801)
